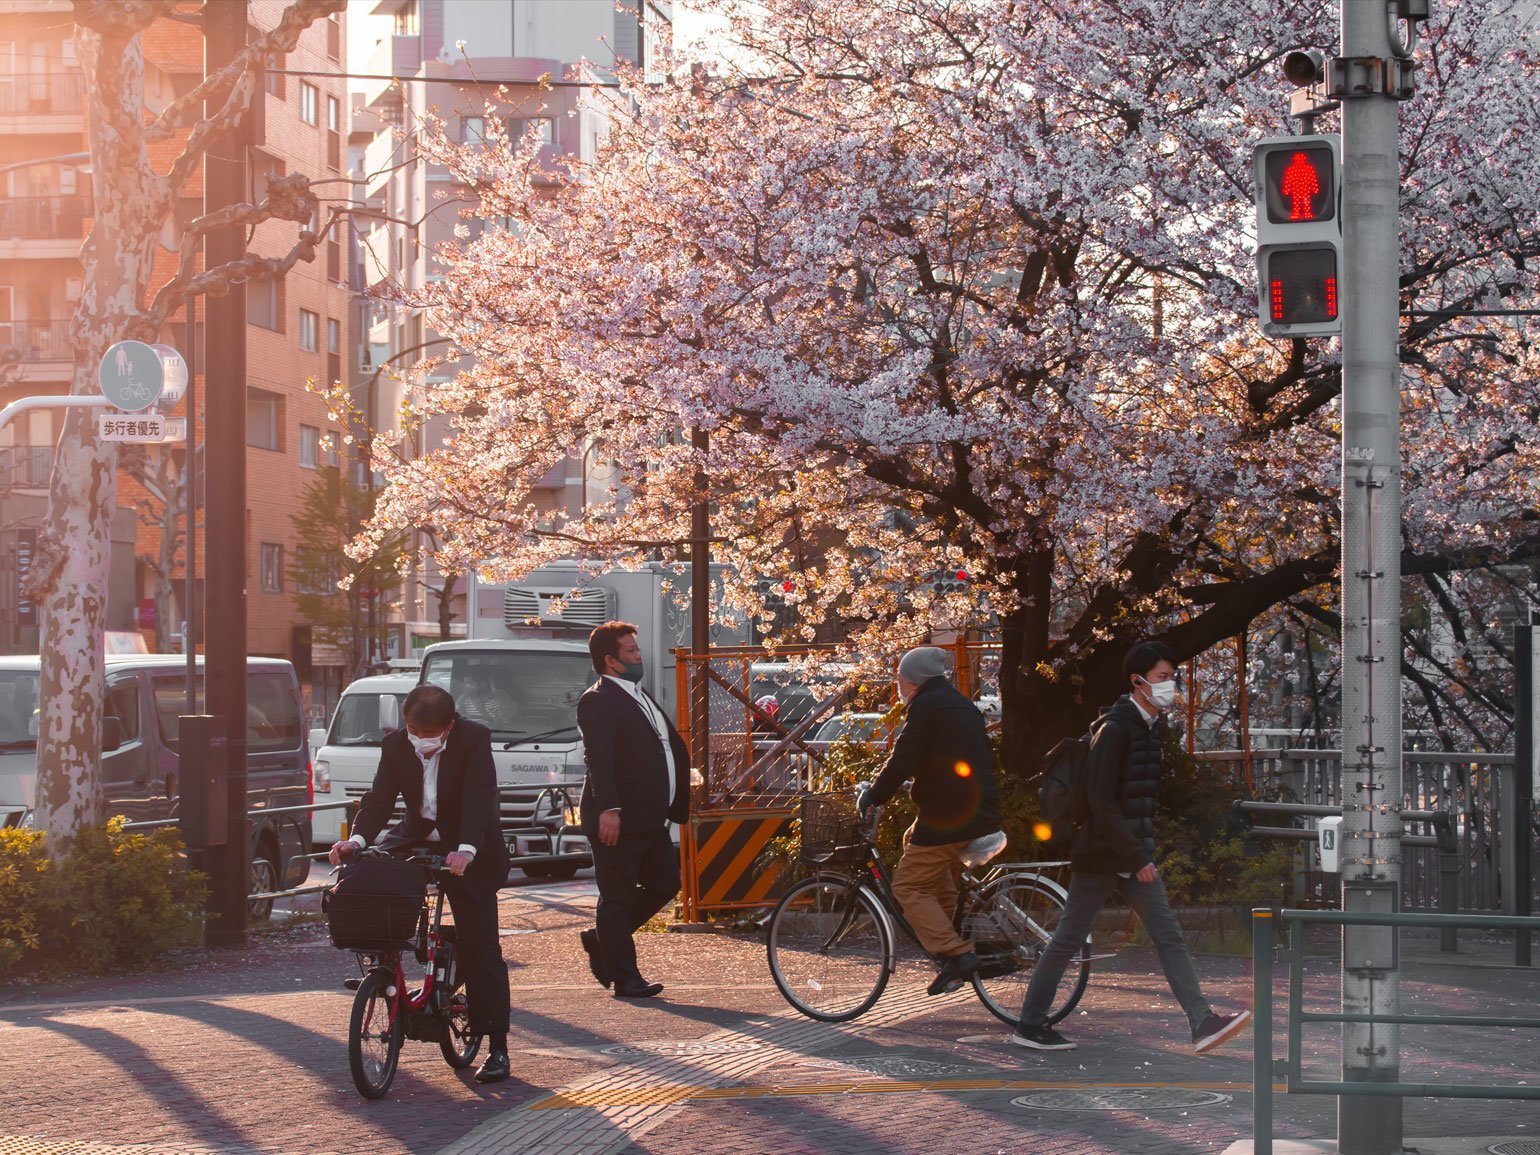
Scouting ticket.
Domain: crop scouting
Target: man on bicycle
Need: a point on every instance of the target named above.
(440, 764)
(944, 747)
(1114, 850)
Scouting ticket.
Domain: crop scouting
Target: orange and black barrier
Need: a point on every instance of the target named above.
(723, 853)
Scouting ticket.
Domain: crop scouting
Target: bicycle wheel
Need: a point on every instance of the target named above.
(1011, 922)
(374, 1035)
(830, 948)
(459, 1044)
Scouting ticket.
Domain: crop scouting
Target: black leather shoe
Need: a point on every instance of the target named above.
(955, 971)
(637, 989)
(590, 939)
(495, 1069)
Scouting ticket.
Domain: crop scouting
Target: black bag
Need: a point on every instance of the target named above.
(1061, 793)
(375, 905)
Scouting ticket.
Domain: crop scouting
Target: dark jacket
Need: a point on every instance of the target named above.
(1122, 779)
(467, 799)
(626, 767)
(944, 747)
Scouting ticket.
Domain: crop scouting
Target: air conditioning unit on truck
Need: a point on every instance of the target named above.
(523, 667)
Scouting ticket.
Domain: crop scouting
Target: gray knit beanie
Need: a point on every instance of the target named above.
(921, 664)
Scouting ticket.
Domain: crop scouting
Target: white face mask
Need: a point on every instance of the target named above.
(426, 747)
(1161, 694)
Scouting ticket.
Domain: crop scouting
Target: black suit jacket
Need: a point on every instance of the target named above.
(626, 767)
(467, 799)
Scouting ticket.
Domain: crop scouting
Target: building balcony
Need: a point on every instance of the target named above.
(38, 340)
(36, 218)
(25, 467)
(392, 56)
(41, 102)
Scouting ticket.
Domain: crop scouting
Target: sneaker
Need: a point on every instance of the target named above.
(1217, 1030)
(1043, 1038)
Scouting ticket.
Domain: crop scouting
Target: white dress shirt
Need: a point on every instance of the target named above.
(430, 799)
(659, 726)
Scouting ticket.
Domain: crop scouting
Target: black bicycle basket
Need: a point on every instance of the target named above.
(375, 905)
(831, 830)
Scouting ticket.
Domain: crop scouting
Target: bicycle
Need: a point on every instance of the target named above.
(831, 939)
(385, 1010)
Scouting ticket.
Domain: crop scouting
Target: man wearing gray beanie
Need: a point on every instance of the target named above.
(944, 747)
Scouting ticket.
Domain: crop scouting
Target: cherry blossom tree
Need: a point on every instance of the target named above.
(967, 285)
(120, 299)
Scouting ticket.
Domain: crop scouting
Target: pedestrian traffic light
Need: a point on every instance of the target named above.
(1299, 235)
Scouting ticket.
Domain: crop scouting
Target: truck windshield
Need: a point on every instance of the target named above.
(365, 719)
(515, 693)
(18, 709)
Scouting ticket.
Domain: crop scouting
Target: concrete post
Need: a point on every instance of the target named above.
(1371, 587)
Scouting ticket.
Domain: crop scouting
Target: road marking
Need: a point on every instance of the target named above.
(652, 1096)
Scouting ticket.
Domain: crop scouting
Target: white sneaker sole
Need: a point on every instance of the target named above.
(1220, 1038)
(1023, 1041)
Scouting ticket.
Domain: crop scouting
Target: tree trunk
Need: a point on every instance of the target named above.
(74, 550)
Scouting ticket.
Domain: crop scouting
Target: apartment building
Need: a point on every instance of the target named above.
(467, 61)
(298, 330)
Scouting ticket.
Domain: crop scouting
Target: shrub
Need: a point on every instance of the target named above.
(117, 899)
(24, 870)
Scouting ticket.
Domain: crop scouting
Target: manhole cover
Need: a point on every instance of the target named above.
(684, 1048)
(1120, 1099)
(1516, 1147)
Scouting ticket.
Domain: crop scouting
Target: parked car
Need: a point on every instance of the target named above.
(348, 752)
(853, 728)
(141, 758)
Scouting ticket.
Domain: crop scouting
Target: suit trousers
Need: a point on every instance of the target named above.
(479, 949)
(925, 885)
(637, 877)
(1087, 894)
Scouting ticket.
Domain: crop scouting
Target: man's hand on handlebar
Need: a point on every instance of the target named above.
(341, 852)
(456, 861)
(864, 799)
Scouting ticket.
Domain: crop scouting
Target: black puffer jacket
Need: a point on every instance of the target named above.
(944, 747)
(1122, 780)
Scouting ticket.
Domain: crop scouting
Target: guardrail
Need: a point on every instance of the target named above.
(1263, 1067)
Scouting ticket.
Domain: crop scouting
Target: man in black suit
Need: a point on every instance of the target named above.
(638, 781)
(441, 766)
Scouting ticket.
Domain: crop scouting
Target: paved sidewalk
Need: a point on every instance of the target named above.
(236, 1053)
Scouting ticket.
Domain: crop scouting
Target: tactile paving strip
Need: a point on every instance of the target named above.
(28, 1145)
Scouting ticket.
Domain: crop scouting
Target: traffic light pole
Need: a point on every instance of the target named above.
(1371, 585)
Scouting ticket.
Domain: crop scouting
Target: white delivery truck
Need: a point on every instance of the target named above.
(524, 666)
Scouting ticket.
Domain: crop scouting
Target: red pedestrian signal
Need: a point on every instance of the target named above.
(1299, 236)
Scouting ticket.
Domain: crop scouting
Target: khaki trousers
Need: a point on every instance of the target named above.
(925, 885)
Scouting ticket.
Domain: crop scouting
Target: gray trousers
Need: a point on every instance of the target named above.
(1088, 893)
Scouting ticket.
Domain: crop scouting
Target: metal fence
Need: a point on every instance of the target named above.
(1470, 787)
(1263, 1067)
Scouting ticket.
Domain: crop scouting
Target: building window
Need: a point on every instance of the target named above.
(406, 23)
(264, 419)
(273, 81)
(309, 330)
(517, 127)
(272, 568)
(473, 129)
(333, 335)
(332, 458)
(309, 103)
(264, 304)
(309, 447)
(334, 36)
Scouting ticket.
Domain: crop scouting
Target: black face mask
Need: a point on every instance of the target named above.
(631, 671)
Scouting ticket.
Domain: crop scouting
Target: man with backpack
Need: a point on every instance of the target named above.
(944, 747)
(1113, 849)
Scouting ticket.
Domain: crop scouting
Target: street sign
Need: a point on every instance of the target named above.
(142, 429)
(131, 375)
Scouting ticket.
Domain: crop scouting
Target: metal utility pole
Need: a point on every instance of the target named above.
(224, 33)
(700, 613)
(190, 508)
(1366, 78)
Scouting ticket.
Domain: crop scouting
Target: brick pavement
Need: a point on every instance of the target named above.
(238, 1053)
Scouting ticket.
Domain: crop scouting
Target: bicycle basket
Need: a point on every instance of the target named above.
(375, 905)
(831, 830)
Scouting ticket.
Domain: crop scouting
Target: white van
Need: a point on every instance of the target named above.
(348, 751)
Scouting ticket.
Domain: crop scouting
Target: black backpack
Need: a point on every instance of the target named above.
(1061, 792)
